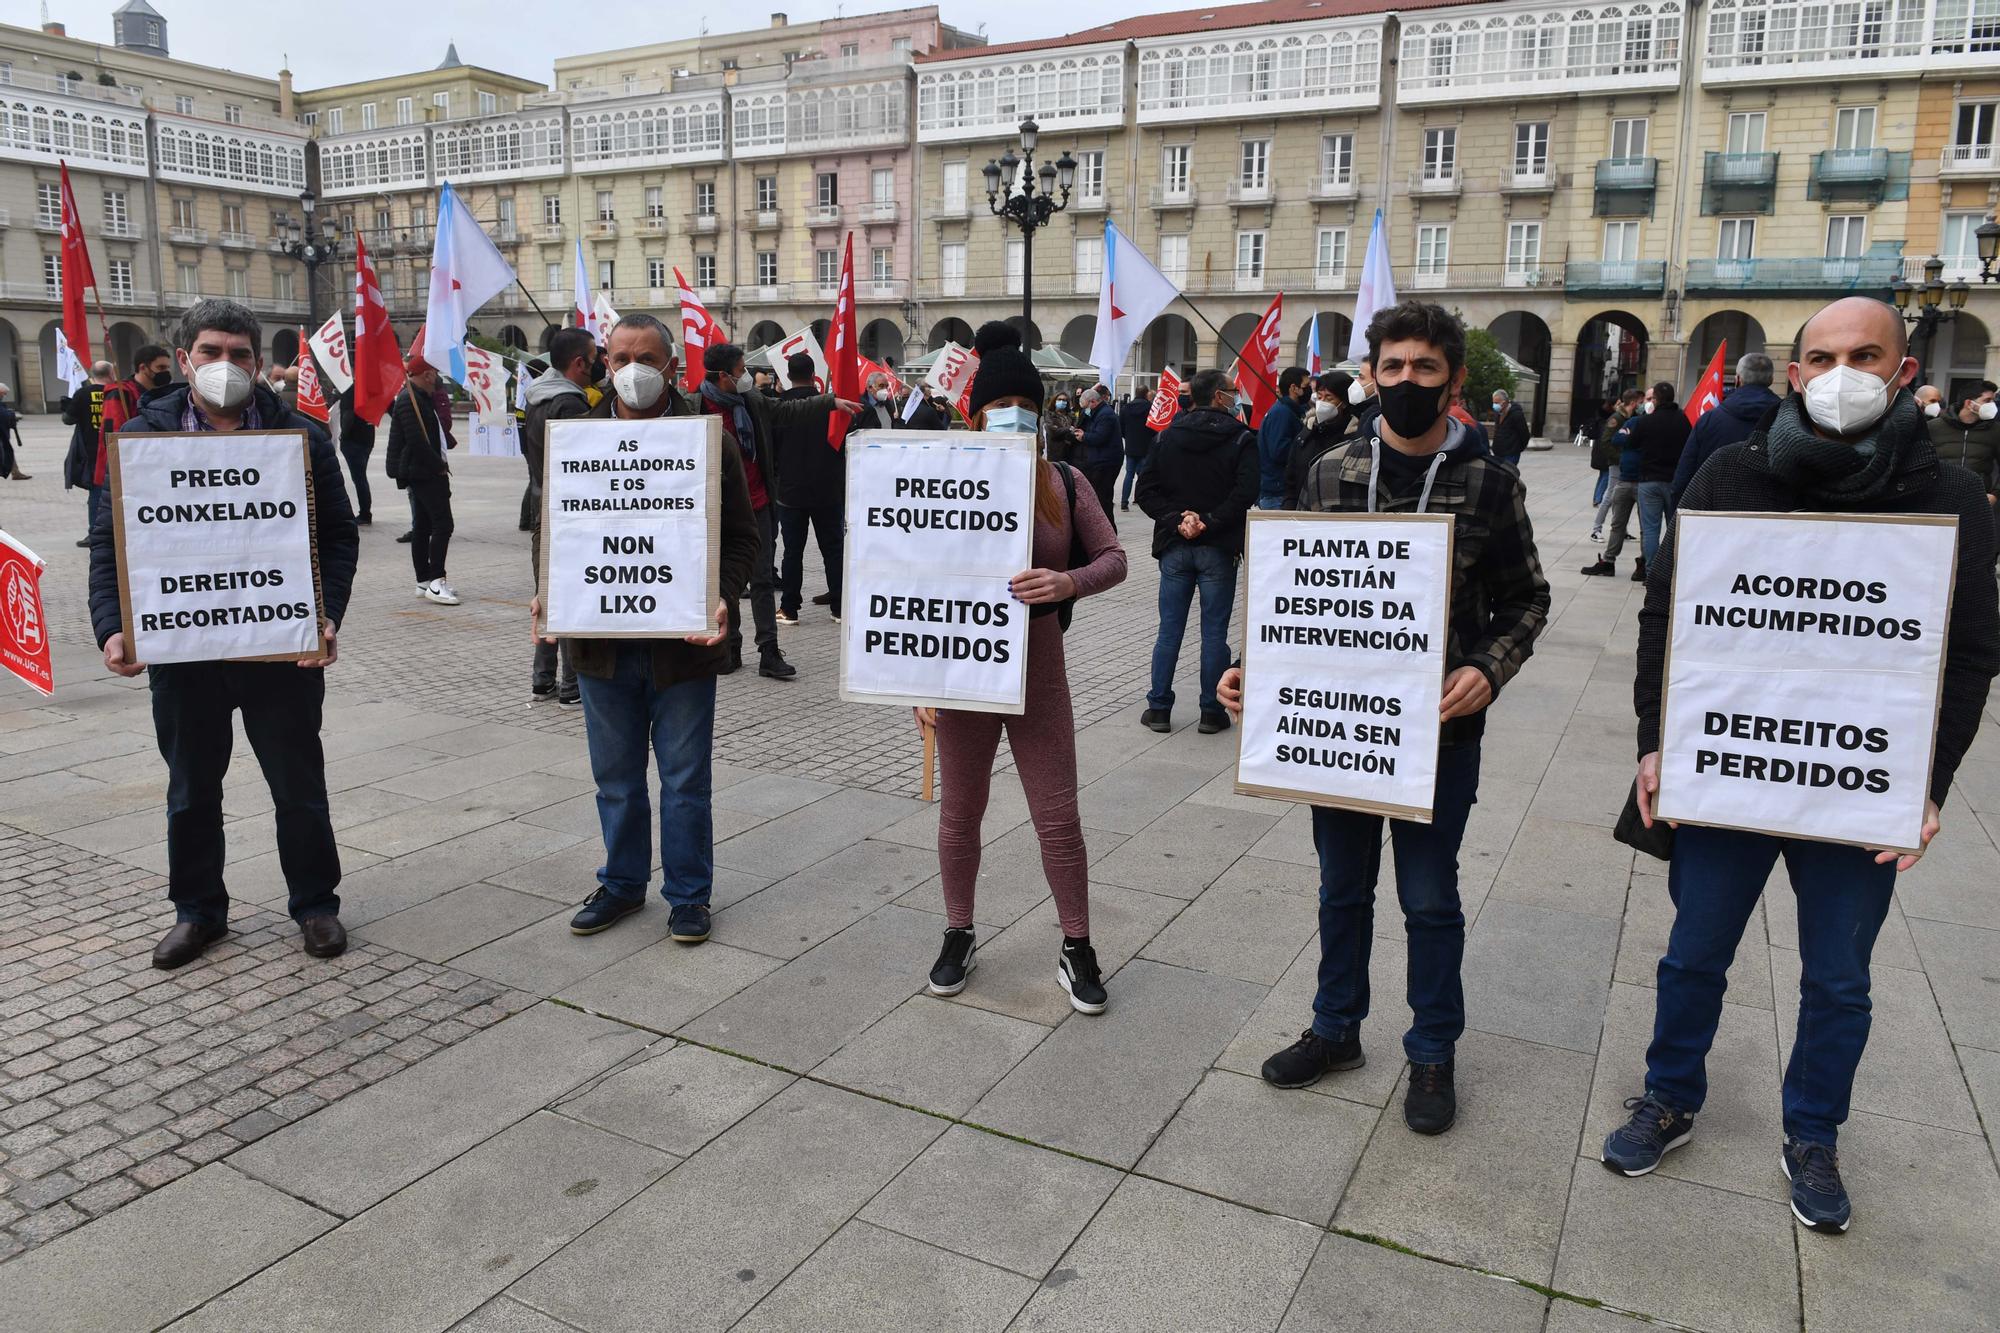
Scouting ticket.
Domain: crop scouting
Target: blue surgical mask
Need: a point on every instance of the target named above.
(1016, 420)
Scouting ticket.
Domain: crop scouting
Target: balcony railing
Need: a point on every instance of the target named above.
(96, 92)
(823, 215)
(766, 219)
(943, 209)
(1869, 273)
(48, 222)
(1330, 279)
(1435, 182)
(549, 233)
(1595, 276)
(1175, 196)
(1627, 173)
(1957, 268)
(1087, 203)
(653, 222)
(236, 240)
(1969, 159)
(188, 235)
(130, 296)
(120, 231)
(1240, 191)
(704, 224)
(1849, 173)
(1537, 180)
(601, 229)
(755, 293)
(1335, 187)
(877, 210)
(1739, 182)
(886, 289)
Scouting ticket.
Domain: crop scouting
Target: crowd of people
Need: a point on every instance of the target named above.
(1851, 436)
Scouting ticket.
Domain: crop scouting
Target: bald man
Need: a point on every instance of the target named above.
(1850, 439)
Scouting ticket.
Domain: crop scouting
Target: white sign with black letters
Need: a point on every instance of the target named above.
(1804, 666)
(631, 529)
(1343, 664)
(938, 523)
(214, 538)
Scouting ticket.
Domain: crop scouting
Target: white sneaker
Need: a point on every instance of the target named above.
(437, 590)
(423, 590)
(1597, 534)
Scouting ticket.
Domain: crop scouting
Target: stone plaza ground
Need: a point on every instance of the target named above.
(475, 1120)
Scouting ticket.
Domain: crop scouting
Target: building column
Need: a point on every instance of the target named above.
(1561, 387)
(1663, 361)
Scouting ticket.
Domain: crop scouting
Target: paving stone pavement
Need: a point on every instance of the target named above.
(477, 1121)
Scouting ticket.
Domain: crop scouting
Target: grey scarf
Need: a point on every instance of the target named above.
(1841, 473)
(732, 403)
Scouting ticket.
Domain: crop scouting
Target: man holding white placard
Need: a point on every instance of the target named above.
(1411, 459)
(1829, 739)
(225, 596)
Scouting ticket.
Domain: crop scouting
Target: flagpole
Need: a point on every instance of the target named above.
(1229, 347)
(532, 301)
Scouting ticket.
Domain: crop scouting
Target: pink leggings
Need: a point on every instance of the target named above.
(1044, 742)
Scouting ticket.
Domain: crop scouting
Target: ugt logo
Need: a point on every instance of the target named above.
(21, 607)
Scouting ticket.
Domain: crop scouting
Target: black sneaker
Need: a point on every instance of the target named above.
(405, 538)
(365, 520)
(542, 693)
(1819, 1200)
(1600, 569)
(824, 599)
(1305, 1061)
(1077, 974)
(954, 962)
(601, 911)
(1212, 722)
(772, 663)
(1157, 719)
(1655, 1129)
(1638, 571)
(570, 698)
(688, 924)
(1431, 1104)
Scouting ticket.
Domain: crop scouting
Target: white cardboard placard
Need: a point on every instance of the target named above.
(1804, 664)
(938, 522)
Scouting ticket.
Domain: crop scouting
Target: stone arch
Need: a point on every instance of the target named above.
(952, 330)
(764, 333)
(514, 336)
(10, 361)
(53, 389)
(284, 346)
(1743, 334)
(1524, 335)
(1610, 357)
(1169, 341)
(1958, 356)
(1031, 333)
(1236, 332)
(1077, 337)
(882, 342)
(1334, 331)
(126, 340)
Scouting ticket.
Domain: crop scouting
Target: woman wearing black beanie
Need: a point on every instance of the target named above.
(1007, 396)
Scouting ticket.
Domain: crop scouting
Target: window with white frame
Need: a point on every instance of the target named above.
(121, 280)
(882, 264)
(1746, 132)
(236, 283)
(442, 101)
(826, 189)
(951, 269)
(607, 273)
(656, 201)
(1592, 42)
(187, 279)
(185, 216)
(882, 185)
(767, 268)
(232, 220)
(52, 275)
(704, 270)
(116, 219)
(1015, 260)
(1174, 259)
(406, 110)
(1846, 236)
(505, 220)
(1524, 251)
(1854, 127)
(1736, 240)
(232, 113)
(607, 206)
(48, 204)
(1330, 257)
(1089, 263)
(826, 268)
(488, 104)
(183, 104)
(1175, 160)
(1253, 168)
(1250, 249)
(767, 194)
(1531, 150)
(336, 119)
(552, 210)
(953, 184)
(1336, 159)
(1090, 176)
(1225, 73)
(1972, 133)
(704, 199)
(1621, 242)
(284, 284)
(1628, 138)
(1441, 153)
(656, 272)
(1433, 253)
(368, 114)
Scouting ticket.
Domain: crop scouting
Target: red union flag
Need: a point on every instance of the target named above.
(1257, 364)
(1166, 401)
(312, 402)
(378, 361)
(1709, 392)
(951, 375)
(73, 347)
(698, 332)
(844, 365)
(24, 632)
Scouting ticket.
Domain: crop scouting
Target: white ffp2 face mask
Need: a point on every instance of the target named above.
(1846, 401)
(223, 385)
(1323, 410)
(1987, 411)
(1357, 392)
(638, 386)
(1932, 409)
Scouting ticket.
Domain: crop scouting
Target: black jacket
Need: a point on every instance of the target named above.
(1743, 410)
(339, 541)
(811, 473)
(926, 417)
(1102, 447)
(84, 411)
(1659, 436)
(1510, 433)
(1206, 461)
(1132, 426)
(416, 439)
(356, 434)
(1311, 446)
(1739, 479)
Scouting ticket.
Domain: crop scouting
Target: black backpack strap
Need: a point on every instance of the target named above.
(1078, 556)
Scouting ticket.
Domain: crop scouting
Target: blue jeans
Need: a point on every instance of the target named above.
(625, 717)
(1716, 877)
(1603, 486)
(1653, 498)
(1350, 859)
(1133, 467)
(1184, 567)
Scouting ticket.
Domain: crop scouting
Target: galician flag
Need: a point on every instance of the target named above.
(586, 308)
(1134, 294)
(1376, 292)
(1312, 346)
(466, 272)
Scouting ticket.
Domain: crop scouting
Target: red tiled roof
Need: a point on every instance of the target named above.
(1212, 18)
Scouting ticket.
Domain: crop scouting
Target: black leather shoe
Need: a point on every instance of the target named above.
(601, 911)
(688, 924)
(405, 538)
(1157, 719)
(323, 936)
(1430, 1103)
(1213, 722)
(1312, 1057)
(774, 665)
(187, 941)
(824, 599)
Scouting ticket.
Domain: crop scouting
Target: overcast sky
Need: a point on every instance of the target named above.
(340, 42)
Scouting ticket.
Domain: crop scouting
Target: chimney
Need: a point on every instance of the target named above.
(55, 29)
(286, 107)
(779, 20)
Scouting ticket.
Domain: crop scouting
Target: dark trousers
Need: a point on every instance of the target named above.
(1350, 859)
(356, 453)
(828, 524)
(1103, 478)
(99, 497)
(1715, 880)
(430, 524)
(1133, 467)
(763, 604)
(280, 703)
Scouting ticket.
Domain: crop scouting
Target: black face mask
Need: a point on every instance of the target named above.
(1410, 408)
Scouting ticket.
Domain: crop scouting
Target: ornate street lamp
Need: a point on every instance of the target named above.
(313, 247)
(1030, 205)
(1924, 306)
(1988, 236)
